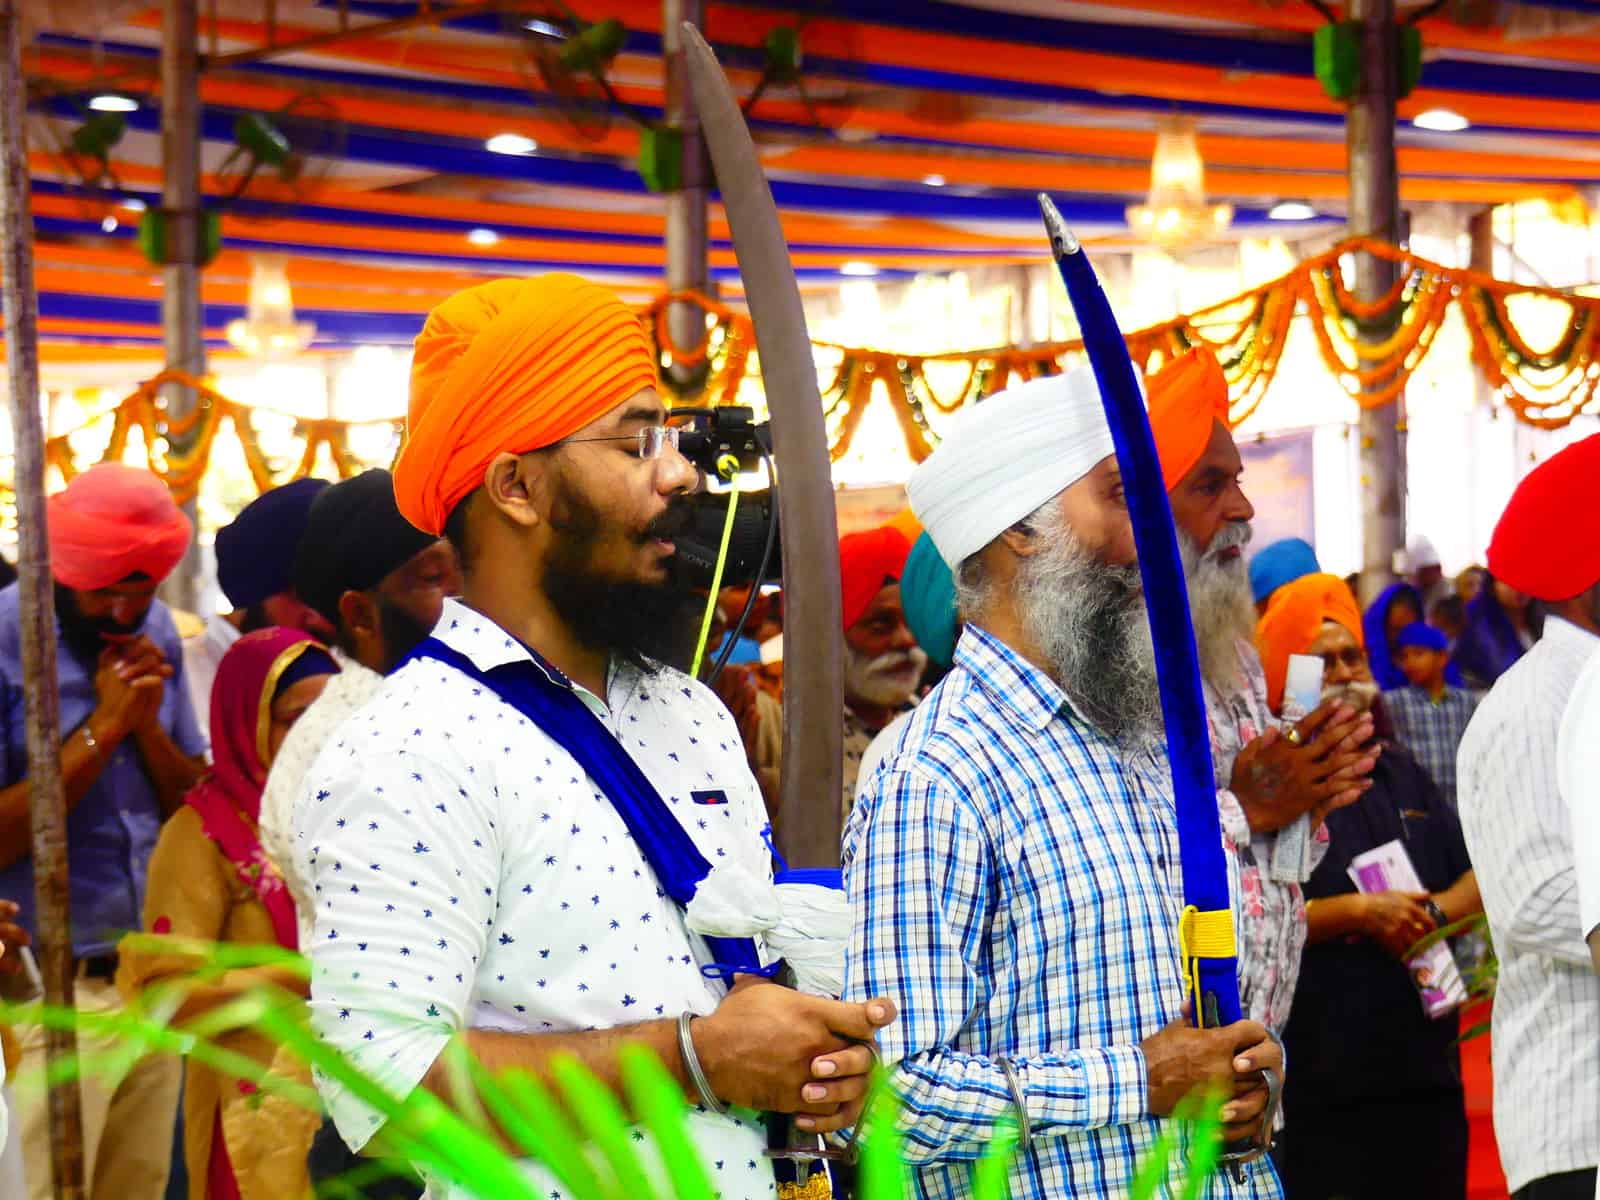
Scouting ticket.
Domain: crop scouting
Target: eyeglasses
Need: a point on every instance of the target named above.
(1350, 657)
(651, 440)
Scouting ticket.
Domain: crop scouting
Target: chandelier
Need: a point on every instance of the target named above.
(269, 330)
(1176, 213)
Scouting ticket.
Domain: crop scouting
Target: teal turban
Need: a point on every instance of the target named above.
(928, 596)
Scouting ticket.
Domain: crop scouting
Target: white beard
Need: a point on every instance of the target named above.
(1220, 604)
(1088, 619)
(1359, 694)
(887, 681)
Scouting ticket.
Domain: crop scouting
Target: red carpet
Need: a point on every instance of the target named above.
(1485, 1180)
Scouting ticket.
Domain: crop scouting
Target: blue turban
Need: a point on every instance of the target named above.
(1280, 563)
(255, 554)
(928, 597)
(1421, 635)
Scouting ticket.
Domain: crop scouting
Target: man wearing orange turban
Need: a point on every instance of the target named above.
(1271, 784)
(1360, 1037)
(538, 733)
(511, 366)
(130, 749)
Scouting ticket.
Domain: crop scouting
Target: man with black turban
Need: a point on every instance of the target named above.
(380, 583)
(254, 557)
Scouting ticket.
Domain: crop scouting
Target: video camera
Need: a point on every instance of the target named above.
(712, 434)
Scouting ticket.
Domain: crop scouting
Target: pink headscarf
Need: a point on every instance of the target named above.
(228, 799)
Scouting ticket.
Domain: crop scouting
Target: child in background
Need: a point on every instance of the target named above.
(1429, 715)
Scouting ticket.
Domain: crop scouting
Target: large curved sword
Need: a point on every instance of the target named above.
(813, 649)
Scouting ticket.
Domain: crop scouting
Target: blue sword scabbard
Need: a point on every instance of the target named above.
(1206, 928)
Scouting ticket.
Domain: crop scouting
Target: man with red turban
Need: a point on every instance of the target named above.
(1365, 1053)
(1275, 784)
(556, 839)
(1547, 1004)
(130, 750)
(883, 664)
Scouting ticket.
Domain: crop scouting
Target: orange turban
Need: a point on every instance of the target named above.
(1293, 619)
(1187, 397)
(512, 365)
(111, 522)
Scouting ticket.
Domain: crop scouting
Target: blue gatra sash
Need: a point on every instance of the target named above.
(1205, 930)
(542, 694)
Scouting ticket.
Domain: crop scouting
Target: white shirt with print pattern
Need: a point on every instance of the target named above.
(468, 874)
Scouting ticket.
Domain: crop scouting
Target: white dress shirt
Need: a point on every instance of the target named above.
(467, 873)
(343, 695)
(201, 656)
(1547, 1006)
(1579, 755)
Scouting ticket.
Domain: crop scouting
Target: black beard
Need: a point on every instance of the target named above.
(400, 631)
(86, 637)
(646, 625)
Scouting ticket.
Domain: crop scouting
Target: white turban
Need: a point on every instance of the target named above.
(1420, 553)
(1000, 459)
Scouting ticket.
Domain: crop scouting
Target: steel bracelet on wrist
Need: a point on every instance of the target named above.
(691, 1065)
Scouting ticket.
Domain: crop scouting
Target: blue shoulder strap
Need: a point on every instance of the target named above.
(540, 693)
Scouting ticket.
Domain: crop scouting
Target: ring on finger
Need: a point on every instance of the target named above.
(1292, 736)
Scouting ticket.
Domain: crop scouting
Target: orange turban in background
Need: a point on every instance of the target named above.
(868, 562)
(1186, 398)
(511, 366)
(1293, 619)
(111, 522)
(906, 522)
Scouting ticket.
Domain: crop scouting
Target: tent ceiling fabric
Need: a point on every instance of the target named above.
(939, 121)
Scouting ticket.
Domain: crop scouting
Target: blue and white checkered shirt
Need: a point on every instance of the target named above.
(1431, 729)
(1014, 884)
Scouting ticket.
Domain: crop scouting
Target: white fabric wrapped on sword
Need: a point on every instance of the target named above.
(805, 924)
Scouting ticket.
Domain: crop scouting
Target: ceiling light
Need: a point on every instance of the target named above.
(545, 29)
(134, 204)
(1176, 213)
(858, 270)
(483, 237)
(111, 102)
(1440, 120)
(108, 225)
(1291, 210)
(933, 180)
(510, 143)
(269, 329)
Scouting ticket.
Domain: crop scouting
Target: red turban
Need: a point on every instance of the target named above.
(112, 522)
(1293, 619)
(868, 562)
(1187, 397)
(511, 366)
(1547, 544)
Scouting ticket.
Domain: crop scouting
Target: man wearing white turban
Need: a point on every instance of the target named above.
(1012, 865)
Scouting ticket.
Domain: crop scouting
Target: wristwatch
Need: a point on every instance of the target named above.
(1440, 920)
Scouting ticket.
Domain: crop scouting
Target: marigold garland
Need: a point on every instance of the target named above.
(1248, 332)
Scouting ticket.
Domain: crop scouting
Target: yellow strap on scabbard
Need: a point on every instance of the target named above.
(1203, 935)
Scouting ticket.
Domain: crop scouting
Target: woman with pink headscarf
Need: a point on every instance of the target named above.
(210, 881)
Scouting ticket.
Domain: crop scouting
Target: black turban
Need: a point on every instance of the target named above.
(255, 554)
(355, 536)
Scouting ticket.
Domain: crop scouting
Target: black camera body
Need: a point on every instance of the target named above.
(713, 434)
